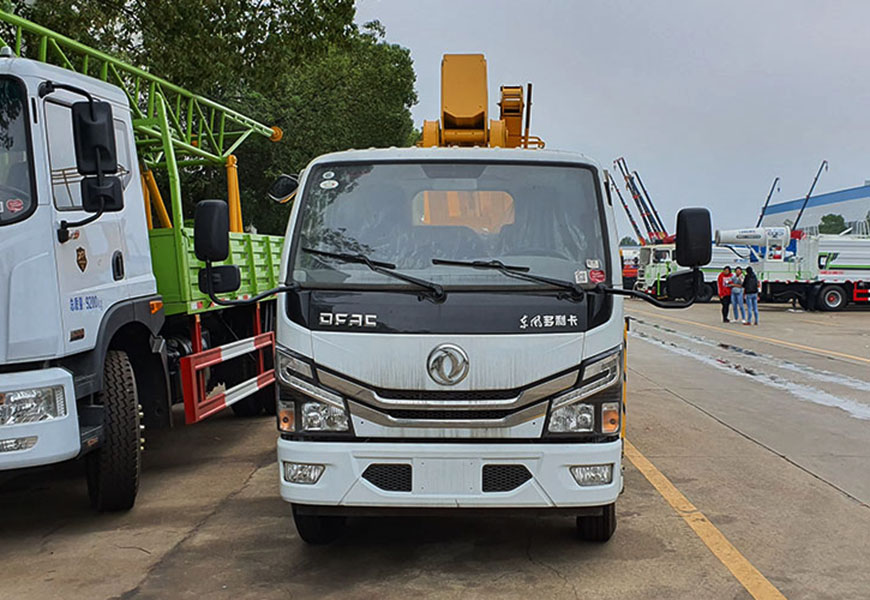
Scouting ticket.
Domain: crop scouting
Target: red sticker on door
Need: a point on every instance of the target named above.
(597, 276)
(15, 205)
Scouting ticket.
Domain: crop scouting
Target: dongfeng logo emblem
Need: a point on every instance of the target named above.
(447, 364)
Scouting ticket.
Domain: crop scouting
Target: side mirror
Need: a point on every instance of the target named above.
(685, 285)
(211, 231)
(283, 189)
(97, 197)
(224, 279)
(94, 138)
(694, 237)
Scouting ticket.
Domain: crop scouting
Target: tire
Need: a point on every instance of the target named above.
(598, 528)
(832, 298)
(706, 294)
(113, 470)
(248, 407)
(255, 404)
(318, 530)
(267, 400)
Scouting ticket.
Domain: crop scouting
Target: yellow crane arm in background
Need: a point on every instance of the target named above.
(464, 109)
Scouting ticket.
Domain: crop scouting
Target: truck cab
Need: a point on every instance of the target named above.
(102, 324)
(459, 382)
(60, 299)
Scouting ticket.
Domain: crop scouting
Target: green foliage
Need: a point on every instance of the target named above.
(302, 65)
(832, 223)
(628, 241)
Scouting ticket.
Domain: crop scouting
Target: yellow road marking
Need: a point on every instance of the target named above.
(748, 576)
(821, 351)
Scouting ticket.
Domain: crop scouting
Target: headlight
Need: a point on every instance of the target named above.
(597, 376)
(573, 418)
(317, 416)
(32, 405)
(569, 415)
(290, 365)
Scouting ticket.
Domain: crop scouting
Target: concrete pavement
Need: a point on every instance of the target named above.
(736, 423)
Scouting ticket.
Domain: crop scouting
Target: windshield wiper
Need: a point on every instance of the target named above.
(577, 293)
(435, 293)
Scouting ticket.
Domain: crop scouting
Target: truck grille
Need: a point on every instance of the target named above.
(389, 477)
(453, 396)
(447, 415)
(504, 478)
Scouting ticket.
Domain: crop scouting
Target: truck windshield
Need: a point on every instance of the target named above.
(16, 197)
(546, 217)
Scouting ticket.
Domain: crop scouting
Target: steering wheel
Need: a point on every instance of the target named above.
(540, 251)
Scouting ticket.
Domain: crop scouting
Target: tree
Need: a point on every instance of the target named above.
(628, 241)
(303, 65)
(832, 223)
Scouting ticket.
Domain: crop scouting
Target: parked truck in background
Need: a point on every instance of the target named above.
(657, 263)
(102, 324)
(819, 271)
(451, 335)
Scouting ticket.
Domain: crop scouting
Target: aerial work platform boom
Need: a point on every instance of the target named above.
(464, 119)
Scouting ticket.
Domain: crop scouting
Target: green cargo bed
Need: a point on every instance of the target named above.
(257, 256)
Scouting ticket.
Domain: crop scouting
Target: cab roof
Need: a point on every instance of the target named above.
(26, 68)
(456, 153)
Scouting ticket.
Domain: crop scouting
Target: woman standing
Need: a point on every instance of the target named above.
(737, 294)
(750, 289)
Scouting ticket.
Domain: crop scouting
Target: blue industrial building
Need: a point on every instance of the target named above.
(852, 203)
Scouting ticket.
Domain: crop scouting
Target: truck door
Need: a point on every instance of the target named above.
(91, 263)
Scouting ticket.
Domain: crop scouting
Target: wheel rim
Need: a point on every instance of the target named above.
(833, 298)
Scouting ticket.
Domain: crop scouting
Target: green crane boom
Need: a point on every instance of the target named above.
(173, 128)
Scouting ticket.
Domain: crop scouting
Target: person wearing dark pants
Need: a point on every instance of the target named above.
(724, 285)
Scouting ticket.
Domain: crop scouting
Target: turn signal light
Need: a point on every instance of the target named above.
(610, 417)
(287, 420)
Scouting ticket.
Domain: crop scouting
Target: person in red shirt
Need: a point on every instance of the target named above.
(724, 284)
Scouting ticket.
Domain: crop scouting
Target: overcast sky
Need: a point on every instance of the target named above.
(708, 100)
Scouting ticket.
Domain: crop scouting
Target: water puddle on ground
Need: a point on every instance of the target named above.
(760, 367)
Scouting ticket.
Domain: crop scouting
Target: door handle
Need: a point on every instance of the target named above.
(118, 265)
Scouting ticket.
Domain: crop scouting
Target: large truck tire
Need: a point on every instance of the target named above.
(832, 298)
(599, 528)
(268, 401)
(318, 529)
(248, 407)
(113, 469)
(706, 293)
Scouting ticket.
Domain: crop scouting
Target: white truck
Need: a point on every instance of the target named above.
(657, 262)
(102, 325)
(819, 271)
(452, 334)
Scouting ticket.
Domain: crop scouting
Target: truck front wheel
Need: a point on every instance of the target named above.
(706, 293)
(318, 529)
(598, 528)
(113, 469)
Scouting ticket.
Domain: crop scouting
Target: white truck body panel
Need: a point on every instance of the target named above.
(844, 258)
(49, 297)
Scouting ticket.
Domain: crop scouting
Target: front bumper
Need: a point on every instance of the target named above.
(449, 475)
(57, 439)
